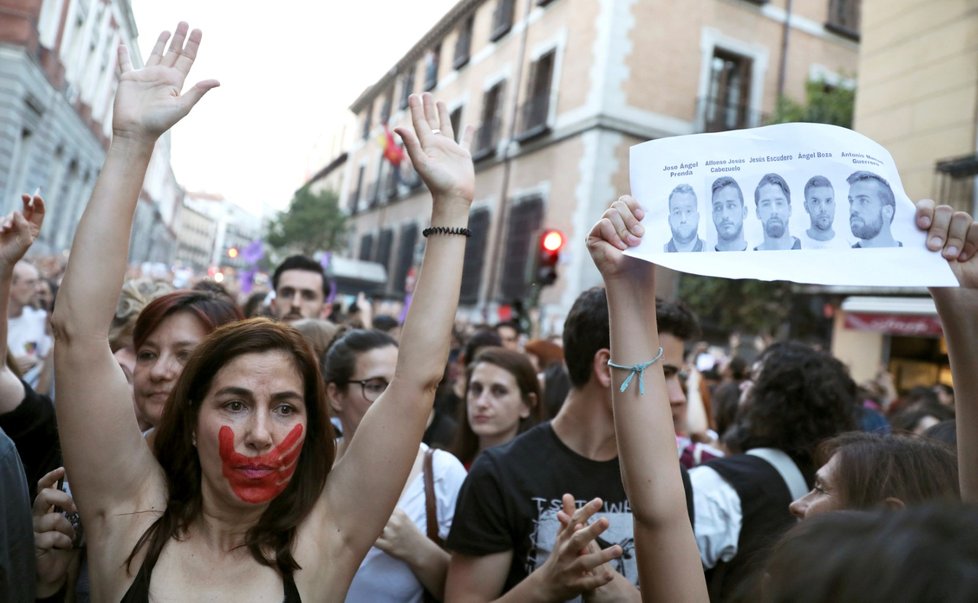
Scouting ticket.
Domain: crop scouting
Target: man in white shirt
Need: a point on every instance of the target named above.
(27, 336)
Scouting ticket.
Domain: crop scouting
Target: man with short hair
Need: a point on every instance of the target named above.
(772, 200)
(684, 219)
(505, 527)
(872, 207)
(27, 336)
(820, 206)
(729, 212)
(300, 289)
(509, 333)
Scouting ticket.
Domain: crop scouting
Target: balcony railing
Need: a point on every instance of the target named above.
(486, 138)
(719, 115)
(533, 117)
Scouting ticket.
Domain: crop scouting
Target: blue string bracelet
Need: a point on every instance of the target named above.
(636, 369)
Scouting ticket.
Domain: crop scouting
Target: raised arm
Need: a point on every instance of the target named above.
(365, 484)
(668, 561)
(94, 398)
(17, 232)
(955, 234)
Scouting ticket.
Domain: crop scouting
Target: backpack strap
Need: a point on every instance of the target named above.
(785, 467)
(430, 502)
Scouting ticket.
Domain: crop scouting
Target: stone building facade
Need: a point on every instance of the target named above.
(560, 90)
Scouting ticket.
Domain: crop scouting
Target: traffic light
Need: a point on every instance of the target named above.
(232, 252)
(548, 254)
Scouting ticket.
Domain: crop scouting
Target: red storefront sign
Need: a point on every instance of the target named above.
(915, 325)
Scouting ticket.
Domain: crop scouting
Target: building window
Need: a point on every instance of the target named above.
(389, 182)
(502, 19)
(525, 220)
(366, 247)
(488, 135)
(384, 249)
(431, 67)
(844, 18)
(475, 253)
(407, 86)
(367, 120)
(463, 44)
(536, 107)
(456, 118)
(358, 192)
(956, 182)
(405, 256)
(727, 105)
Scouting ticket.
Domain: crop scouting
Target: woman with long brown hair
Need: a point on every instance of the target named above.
(502, 400)
(242, 503)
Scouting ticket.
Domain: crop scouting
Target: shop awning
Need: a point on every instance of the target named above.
(908, 316)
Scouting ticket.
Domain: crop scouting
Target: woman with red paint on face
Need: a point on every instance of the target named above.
(241, 503)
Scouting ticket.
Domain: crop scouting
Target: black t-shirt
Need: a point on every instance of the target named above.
(512, 494)
(33, 429)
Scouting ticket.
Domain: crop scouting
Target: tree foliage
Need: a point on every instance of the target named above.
(824, 104)
(313, 222)
(748, 306)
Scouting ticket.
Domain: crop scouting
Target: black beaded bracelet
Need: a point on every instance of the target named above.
(446, 230)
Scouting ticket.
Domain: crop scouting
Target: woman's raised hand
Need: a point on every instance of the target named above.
(444, 165)
(617, 230)
(148, 101)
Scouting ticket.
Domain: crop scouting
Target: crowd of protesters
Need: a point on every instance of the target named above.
(181, 444)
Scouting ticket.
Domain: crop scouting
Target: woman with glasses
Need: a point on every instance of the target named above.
(404, 562)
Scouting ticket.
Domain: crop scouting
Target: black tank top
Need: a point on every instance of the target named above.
(139, 589)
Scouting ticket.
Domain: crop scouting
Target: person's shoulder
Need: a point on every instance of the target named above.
(517, 449)
(445, 463)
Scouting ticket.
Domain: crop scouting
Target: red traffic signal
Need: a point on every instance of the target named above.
(551, 242)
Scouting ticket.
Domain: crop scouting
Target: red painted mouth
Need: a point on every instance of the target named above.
(259, 479)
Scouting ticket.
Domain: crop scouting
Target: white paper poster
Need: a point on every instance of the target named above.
(808, 203)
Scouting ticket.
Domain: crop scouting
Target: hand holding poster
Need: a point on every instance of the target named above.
(808, 203)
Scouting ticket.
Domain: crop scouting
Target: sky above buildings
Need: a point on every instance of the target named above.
(289, 71)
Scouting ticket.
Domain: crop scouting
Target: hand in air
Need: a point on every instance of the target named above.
(20, 229)
(148, 101)
(617, 230)
(955, 235)
(444, 165)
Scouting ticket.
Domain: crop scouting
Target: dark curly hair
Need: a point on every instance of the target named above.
(800, 398)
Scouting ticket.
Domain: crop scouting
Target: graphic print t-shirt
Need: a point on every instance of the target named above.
(512, 494)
